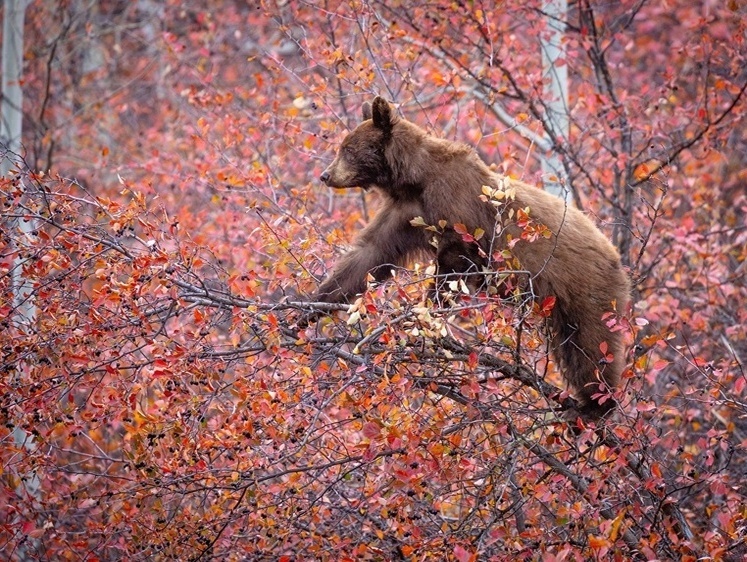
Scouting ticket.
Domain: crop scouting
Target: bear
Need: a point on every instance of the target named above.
(445, 183)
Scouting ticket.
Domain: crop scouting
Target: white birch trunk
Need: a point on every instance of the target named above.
(555, 94)
(11, 113)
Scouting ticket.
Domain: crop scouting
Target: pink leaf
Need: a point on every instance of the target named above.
(462, 554)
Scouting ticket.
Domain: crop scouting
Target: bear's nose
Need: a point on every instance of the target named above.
(325, 176)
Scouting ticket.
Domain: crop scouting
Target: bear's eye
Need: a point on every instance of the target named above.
(347, 149)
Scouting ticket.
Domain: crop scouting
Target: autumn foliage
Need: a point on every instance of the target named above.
(158, 401)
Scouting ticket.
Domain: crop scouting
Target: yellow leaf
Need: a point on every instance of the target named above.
(616, 526)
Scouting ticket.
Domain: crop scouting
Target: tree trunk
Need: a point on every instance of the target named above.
(555, 95)
(12, 162)
(10, 139)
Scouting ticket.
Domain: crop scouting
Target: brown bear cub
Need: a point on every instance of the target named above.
(446, 184)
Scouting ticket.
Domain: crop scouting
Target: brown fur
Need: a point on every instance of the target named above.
(421, 175)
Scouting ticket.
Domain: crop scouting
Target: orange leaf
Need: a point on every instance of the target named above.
(459, 228)
(598, 542)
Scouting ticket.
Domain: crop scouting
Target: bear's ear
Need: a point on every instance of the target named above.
(367, 111)
(382, 114)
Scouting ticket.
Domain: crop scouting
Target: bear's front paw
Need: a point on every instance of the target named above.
(305, 318)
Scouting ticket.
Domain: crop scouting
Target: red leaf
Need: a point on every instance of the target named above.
(459, 228)
(472, 360)
(548, 303)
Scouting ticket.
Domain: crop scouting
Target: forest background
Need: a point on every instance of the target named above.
(162, 225)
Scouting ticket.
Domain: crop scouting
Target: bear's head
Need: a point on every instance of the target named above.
(361, 159)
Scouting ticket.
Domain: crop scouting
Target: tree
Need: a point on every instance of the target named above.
(178, 414)
(555, 89)
(11, 121)
(21, 286)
